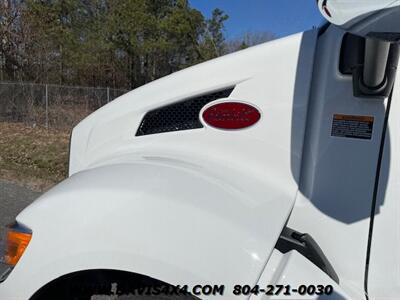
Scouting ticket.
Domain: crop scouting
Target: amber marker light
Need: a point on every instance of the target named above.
(17, 239)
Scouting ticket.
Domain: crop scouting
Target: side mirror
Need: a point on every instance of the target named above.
(378, 23)
(378, 19)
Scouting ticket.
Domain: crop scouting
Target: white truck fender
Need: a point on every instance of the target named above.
(172, 221)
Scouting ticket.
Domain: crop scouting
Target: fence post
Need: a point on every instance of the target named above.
(47, 106)
(108, 94)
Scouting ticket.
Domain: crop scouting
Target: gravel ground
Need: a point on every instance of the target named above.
(13, 199)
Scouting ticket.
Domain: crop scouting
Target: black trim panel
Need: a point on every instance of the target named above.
(183, 115)
(304, 244)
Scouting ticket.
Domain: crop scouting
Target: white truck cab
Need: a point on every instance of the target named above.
(269, 173)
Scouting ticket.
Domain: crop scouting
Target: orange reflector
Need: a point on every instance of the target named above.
(16, 244)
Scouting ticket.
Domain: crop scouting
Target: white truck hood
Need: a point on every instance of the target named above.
(221, 197)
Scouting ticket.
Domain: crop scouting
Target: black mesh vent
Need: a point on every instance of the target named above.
(182, 115)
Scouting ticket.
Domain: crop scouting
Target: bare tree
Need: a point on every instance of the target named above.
(248, 39)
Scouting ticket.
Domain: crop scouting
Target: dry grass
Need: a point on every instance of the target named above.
(34, 157)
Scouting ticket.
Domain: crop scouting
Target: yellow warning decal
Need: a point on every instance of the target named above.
(352, 126)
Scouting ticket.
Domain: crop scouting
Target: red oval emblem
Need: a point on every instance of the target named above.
(231, 115)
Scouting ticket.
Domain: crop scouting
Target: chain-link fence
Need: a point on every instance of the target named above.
(49, 105)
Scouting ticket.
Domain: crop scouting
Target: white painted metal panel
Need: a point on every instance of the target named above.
(338, 173)
(384, 268)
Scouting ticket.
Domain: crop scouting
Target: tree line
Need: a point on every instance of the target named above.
(115, 43)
